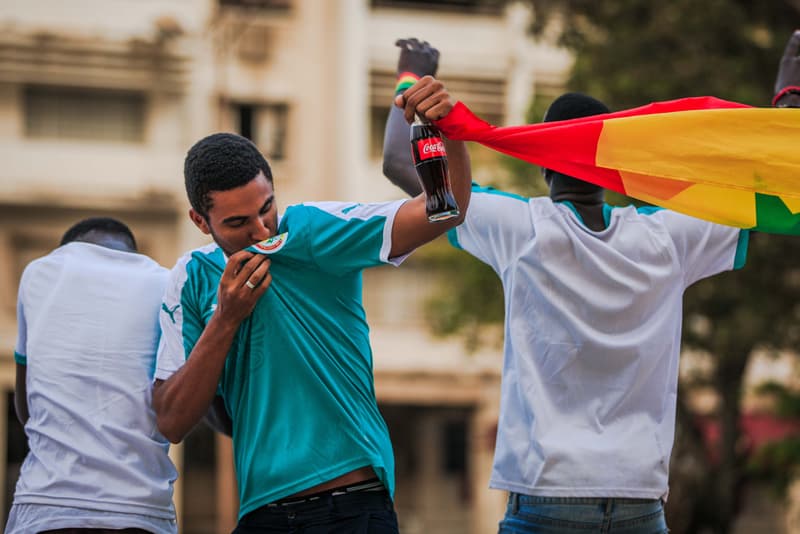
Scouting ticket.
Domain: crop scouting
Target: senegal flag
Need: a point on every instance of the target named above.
(717, 160)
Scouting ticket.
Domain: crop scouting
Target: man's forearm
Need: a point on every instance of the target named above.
(181, 401)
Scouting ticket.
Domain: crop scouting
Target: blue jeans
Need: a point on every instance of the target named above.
(556, 515)
(369, 512)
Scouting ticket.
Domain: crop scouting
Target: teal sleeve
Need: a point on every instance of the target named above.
(741, 249)
(452, 237)
(348, 237)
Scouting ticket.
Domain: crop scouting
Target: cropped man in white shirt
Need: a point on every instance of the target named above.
(88, 332)
(593, 307)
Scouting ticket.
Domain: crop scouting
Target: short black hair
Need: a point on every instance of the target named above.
(99, 225)
(220, 162)
(573, 106)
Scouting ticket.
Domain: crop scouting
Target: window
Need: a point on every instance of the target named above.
(454, 446)
(489, 7)
(199, 481)
(89, 114)
(258, 4)
(377, 129)
(264, 124)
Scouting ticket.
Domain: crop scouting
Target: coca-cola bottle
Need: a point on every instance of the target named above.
(430, 161)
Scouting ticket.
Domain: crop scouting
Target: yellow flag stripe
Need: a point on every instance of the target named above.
(721, 205)
(749, 149)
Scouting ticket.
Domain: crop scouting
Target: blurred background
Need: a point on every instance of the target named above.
(100, 99)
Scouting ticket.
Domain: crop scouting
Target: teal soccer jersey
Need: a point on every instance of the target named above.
(298, 380)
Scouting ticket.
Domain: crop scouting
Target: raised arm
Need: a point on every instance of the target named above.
(417, 59)
(398, 166)
(428, 98)
(186, 397)
(787, 83)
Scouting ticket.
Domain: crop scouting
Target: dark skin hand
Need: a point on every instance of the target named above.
(426, 98)
(417, 57)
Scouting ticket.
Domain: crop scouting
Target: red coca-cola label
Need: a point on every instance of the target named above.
(430, 147)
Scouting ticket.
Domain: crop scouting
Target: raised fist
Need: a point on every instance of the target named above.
(417, 57)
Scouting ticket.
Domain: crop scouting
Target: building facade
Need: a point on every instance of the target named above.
(99, 101)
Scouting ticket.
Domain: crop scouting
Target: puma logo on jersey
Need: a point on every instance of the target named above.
(170, 312)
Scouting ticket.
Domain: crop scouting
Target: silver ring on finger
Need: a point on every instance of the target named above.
(250, 284)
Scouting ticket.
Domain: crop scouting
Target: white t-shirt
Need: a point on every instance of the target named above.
(88, 334)
(592, 338)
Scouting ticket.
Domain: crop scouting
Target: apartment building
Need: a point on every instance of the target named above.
(99, 101)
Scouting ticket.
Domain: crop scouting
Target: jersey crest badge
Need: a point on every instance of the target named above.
(271, 245)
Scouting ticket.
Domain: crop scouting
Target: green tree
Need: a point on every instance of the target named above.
(628, 53)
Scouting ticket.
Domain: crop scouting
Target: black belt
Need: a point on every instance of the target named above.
(372, 484)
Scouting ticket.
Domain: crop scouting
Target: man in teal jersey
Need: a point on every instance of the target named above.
(278, 332)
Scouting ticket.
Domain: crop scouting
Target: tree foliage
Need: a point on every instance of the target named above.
(630, 52)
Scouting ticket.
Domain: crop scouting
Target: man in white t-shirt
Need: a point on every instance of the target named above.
(593, 305)
(88, 332)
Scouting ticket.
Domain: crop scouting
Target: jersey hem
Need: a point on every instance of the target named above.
(26, 518)
(104, 506)
(80, 523)
(632, 493)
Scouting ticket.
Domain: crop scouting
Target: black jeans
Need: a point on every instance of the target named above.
(369, 512)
